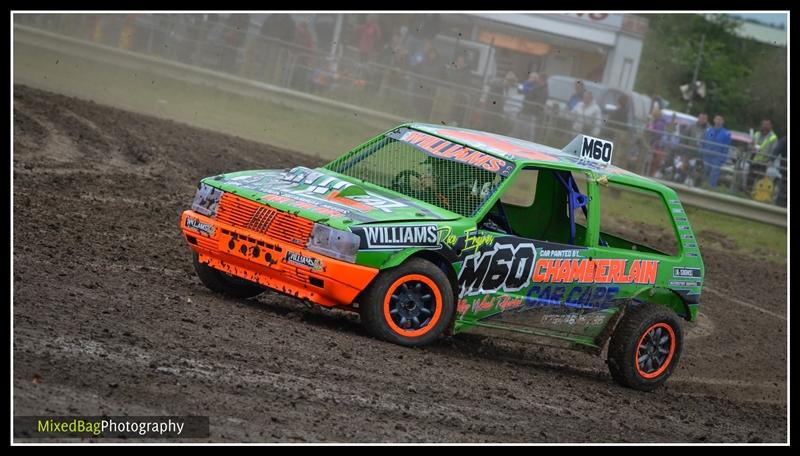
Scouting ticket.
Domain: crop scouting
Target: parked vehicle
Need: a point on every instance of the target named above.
(561, 88)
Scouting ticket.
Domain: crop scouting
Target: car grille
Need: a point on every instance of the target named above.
(239, 212)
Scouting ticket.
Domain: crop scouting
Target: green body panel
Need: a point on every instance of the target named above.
(533, 282)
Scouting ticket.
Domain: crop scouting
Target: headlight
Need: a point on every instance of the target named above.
(342, 245)
(206, 200)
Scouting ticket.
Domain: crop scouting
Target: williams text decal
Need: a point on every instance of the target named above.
(195, 224)
(302, 260)
(397, 237)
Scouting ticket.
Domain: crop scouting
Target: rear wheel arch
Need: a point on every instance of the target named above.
(666, 297)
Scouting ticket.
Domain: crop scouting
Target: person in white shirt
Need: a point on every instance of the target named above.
(512, 101)
(588, 116)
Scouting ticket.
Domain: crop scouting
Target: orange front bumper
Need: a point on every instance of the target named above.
(253, 256)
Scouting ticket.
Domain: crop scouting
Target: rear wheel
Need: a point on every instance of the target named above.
(410, 305)
(219, 282)
(646, 347)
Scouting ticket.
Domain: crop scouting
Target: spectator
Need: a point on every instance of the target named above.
(279, 26)
(456, 97)
(235, 33)
(325, 77)
(492, 103)
(576, 97)
(458, 73)
(691, 143)
(716, 143)
(418, 59)
(512, 101)
(658, 102)
(781, 154)
(619, 119)
(538, 98)
(276, 30)
(432, 67)
(588, 115)
(425, 62)
(763, 142)
(368, 35)
(303, 66)
(532, 115)
(675, 165)
(395, 53)
(324, 25)
(655, 138)
(695, 133)
(617, 128)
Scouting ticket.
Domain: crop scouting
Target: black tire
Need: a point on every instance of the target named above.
(383, 314)
(219, 282)
(636, 353)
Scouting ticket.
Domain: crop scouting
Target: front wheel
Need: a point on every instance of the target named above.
(219, 282)
(645, 347)
(409, 305)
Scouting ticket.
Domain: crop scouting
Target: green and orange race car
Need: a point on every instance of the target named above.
(428, 230)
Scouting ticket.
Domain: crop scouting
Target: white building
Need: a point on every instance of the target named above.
(600, 47)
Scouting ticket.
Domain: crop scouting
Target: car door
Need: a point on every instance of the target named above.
(636, 242)
(525, 275)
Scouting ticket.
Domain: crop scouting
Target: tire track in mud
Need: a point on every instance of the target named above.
(109, 317)
(743, 303)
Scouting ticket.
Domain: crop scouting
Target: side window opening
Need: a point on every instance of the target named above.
(636, 219)
(537, 205)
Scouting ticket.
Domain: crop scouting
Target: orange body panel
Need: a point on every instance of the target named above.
(261, 258)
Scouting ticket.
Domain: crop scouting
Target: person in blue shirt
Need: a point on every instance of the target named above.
(576, 97)
(715, 144)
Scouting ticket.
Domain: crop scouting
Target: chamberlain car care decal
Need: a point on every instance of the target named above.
(396, 237)
(302, 260)
(204, 228)
(504, 266)
(596, 271)
(588, 283)
(442, 148)
(542, 275)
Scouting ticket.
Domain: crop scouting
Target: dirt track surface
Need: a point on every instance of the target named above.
(109, 318)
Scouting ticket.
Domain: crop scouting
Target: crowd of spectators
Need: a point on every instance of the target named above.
(700, 154)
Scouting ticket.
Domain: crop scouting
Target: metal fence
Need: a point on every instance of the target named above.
(437, 93)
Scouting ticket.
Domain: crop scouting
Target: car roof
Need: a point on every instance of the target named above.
(519, 151)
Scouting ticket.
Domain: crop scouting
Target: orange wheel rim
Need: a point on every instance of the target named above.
(412, 305)
(655, 350)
